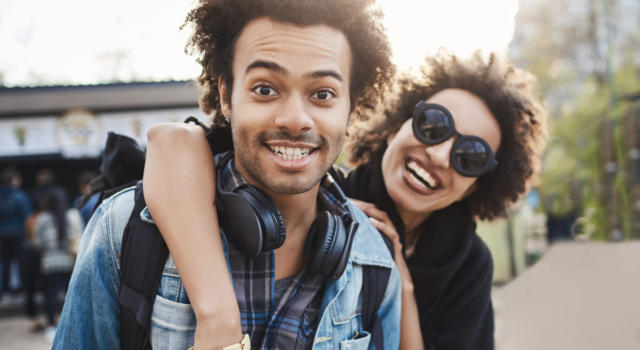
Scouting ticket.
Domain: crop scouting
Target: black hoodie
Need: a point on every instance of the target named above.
(451, 267)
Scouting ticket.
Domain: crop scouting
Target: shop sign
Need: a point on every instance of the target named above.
(135, 124)
(79, 134)
(27, 136)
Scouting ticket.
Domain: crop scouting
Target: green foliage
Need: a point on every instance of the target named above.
(585, 102)
(574, 153)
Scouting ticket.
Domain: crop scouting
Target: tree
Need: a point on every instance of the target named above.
(584, 61)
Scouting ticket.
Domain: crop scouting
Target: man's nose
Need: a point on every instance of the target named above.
(440, 153)
(295, 116)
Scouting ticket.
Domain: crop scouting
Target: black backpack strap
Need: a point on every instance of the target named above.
(219, 139)
(374, 285)
(142, 260)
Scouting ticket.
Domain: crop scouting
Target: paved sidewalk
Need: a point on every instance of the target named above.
(578, 296)
(15, 334)
(582, 296)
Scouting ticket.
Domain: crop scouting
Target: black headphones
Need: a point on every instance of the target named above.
(253, 224)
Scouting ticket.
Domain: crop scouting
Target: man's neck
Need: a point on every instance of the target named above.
(298, 212)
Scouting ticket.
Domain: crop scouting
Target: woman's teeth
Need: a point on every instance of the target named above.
(422, 175)
(290, 153)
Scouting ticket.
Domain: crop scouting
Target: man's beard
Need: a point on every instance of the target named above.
(296, 182)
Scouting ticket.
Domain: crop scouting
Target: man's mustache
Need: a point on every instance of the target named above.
(282, 135)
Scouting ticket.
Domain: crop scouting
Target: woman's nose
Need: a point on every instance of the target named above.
(440, 153)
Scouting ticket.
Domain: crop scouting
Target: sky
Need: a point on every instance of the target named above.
(88, 41)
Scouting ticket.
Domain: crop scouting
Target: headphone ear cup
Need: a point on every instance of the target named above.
(273, 229)
(249, 218)
(325, 243)
(245, 234)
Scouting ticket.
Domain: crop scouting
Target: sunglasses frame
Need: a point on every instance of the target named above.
(491, 163)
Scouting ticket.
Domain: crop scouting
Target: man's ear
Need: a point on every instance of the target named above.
(352, 117)
(225, 105)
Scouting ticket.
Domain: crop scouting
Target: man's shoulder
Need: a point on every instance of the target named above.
(368, 246)
(117, 208)
(11, 195)
(22, 195)
(112, 215)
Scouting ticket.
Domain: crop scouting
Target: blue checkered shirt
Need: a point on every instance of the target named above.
(287, 322)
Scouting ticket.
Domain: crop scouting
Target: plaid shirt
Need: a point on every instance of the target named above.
(290, 322)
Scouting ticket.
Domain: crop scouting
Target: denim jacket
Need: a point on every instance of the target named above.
(90, 317)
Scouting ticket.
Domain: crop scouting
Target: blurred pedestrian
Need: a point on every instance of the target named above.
(56, 228)
(85, 202)
(45, 182)
(14, 209)
(30, 269)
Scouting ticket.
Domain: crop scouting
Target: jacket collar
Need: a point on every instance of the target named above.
(368, 246)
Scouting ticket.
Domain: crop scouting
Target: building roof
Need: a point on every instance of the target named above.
(24, 101)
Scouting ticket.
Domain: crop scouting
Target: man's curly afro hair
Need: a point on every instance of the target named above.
(509, 94)
(218, 23)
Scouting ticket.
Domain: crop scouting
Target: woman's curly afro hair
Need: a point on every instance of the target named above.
(509, 94)
(218, 23)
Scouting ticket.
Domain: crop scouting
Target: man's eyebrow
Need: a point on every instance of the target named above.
(274, 67)
(267, 65)
(325, 73)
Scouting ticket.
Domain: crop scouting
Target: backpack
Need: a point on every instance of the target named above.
(144, 252)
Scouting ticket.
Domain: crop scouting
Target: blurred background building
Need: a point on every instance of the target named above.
(64, 128)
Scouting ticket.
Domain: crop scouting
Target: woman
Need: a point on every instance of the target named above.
(56, 227)
(460, 143)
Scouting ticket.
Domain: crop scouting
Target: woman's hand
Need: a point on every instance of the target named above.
(383, 223)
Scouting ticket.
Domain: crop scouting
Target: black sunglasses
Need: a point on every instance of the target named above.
(471, 156)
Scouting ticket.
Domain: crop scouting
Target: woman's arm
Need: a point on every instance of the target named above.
(410, 332)
(179, 189)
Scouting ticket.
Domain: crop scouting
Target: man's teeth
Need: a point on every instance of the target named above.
(290, 153)
(422, 174)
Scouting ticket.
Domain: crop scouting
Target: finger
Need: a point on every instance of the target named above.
(373, 211)
(387, 229)
(360, 204)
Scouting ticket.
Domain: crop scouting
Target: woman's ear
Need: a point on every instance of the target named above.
(225, 102)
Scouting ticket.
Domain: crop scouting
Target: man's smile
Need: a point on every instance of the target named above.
(291, 153)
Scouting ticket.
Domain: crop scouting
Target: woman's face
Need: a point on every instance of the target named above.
(411, 196)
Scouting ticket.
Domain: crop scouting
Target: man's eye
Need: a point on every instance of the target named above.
(323, 95)
(264, 90)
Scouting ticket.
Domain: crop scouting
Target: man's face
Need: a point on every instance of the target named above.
(289, 104)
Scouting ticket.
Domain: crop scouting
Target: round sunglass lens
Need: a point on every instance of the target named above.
(471, 156)
(434, 125)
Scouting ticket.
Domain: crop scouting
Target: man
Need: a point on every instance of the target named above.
(14, 210)
(286, 76)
